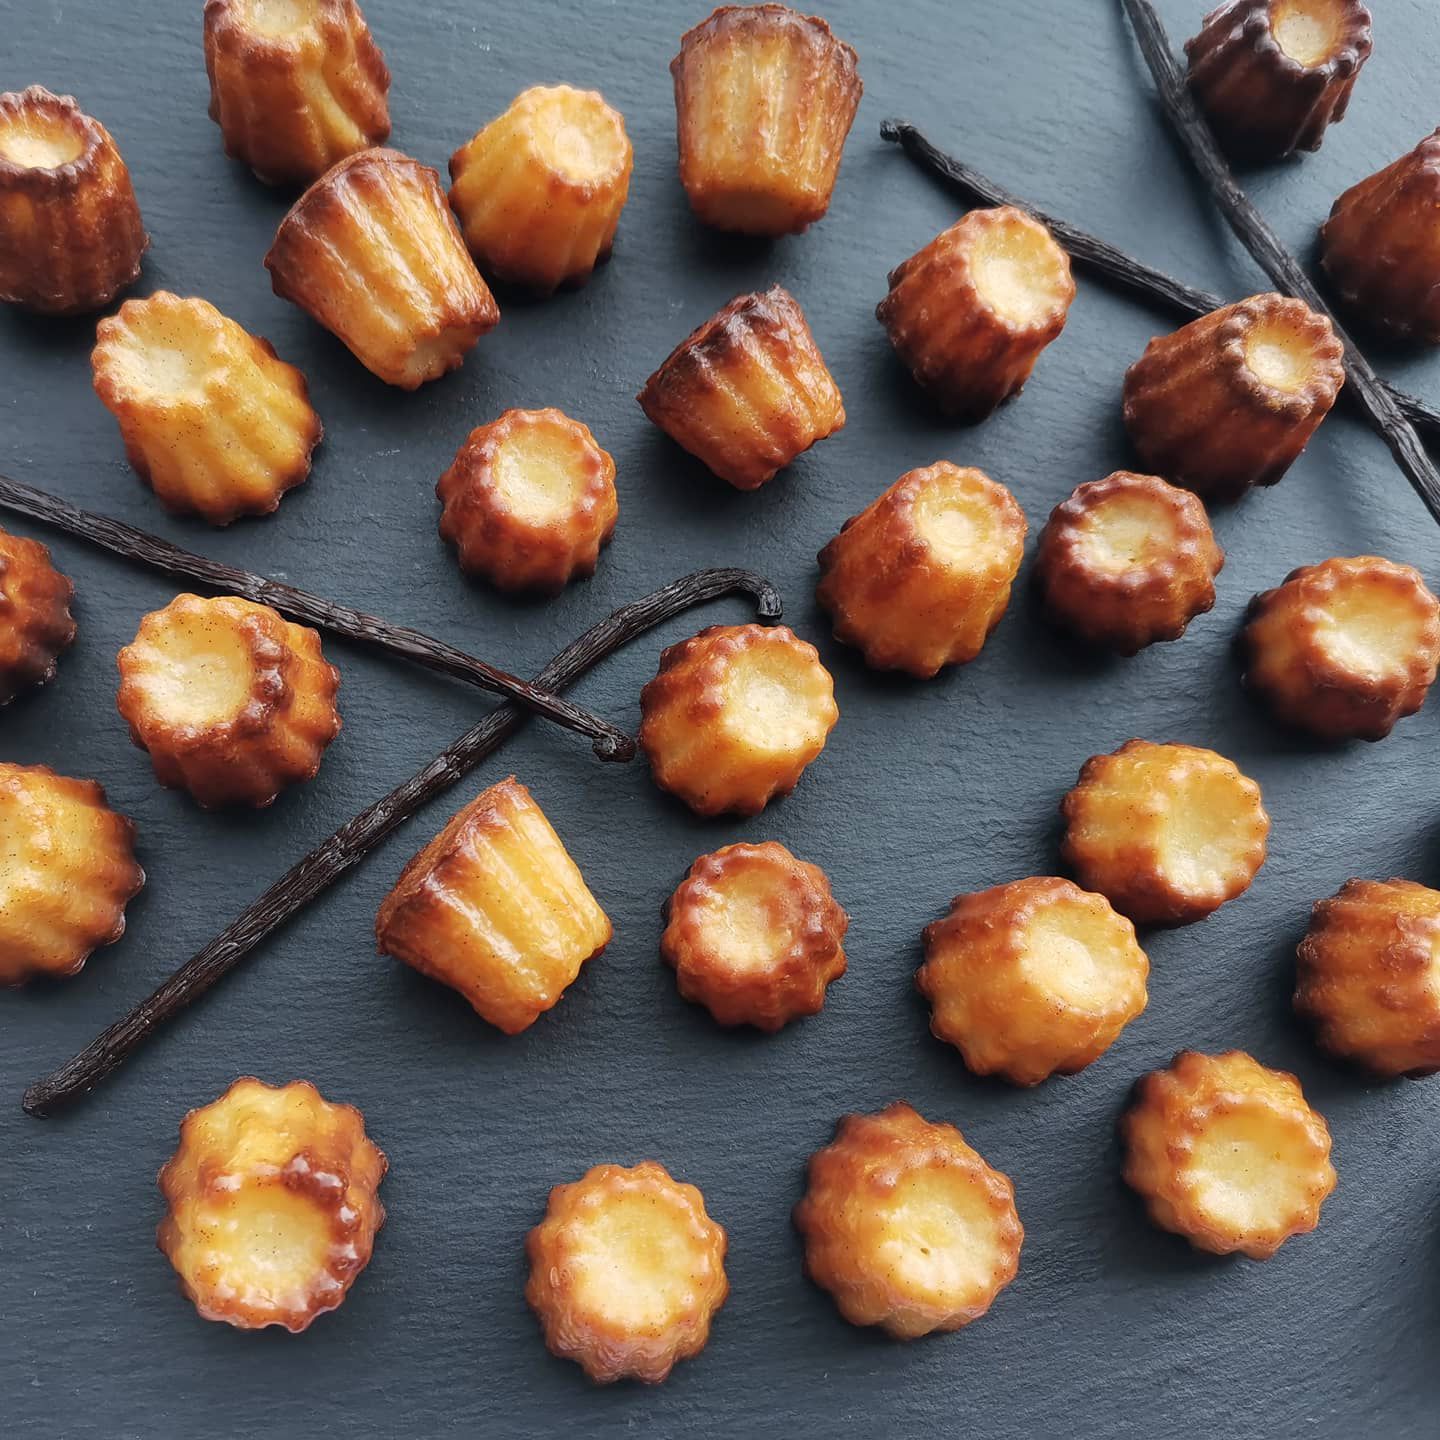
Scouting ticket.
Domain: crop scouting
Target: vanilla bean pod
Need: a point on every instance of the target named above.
(334, 857)
(1261, 241)
(609, 742)
(1099, 257)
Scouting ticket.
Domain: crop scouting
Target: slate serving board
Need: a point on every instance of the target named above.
(1112, 1328)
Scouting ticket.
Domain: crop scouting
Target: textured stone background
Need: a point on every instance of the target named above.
(925, 790)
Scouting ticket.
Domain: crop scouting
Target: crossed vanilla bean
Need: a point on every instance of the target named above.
(609, 742)
(1099, 257)
(327, 862)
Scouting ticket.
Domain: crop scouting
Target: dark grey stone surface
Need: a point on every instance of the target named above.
(1112, 1328)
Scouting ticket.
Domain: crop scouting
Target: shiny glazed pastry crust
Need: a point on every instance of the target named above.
(922, 575)
(1032, 979)
(69, 871)
(1227, 1153)
(271, 1205)
(906, 1226)
(232, 701)
(755, 935)
(626, 1272)
(35, 620)
(735, 715)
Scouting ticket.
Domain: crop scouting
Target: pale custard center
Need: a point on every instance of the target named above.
(270, 1243)
(40, 142)
(1366, 633)
(958, 521)
(941, 1235)
(538, 475)
(1018, 272)
(576, 135)
(743, 926)
(1306, 30)
(1125, 533)
(1206, 832)
(278, 17)
(197, 670)
(1251, 1170)
(1071, 954)
(766, 701)
(634, 1264)
(1279, 356)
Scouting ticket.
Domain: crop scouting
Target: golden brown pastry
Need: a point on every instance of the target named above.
(1381, 246)
(1270, 75)
(69, 871)
(1368, 977)
(1227, 1153)
(495, 908)
(748, 391)
(528, 501)
(920, 577)
(906, 1226)
(735, 715)
(539, 191)
(764, 98)
(1231, 399)
(271, 1204)
(35, 620)
(212, 419)
(970, 313)
(1345, 648)
(1032, 979)
(1128, 560)
(1166, 833)
(372, 252)
(755, 936)
(626, 1272)
(295, 85)
(232, 701)
(70, 231)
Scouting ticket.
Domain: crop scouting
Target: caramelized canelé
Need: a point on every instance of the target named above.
(734, 716)
(1128, 560)
(1032, 979)
(748, 391)
(528, 501)
(1345, 648)
(1381, 246)
(372, 252)
(1227, 1153)
(755, 936)
(1368, 976)
(1166, 833)
(271, 1204)
(35, 620)
(906, 1226)
(539, 191)
(1270, 75)
(920, 577)
(213, 421)
(626, 1272)
(69, 871)
(232, 701)
(971, 312)
(1231, 399)
(295, 85)
(70, 231)
(764, 98)
(495, 908)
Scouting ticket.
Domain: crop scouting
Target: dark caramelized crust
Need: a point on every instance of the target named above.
(755, 935)
(272, 1205)
(922, 575)
(971, 312)
(626, 1272)
(1227, 1153)
(748, 391)
(1231, 399)
(70, 231)
(1167, 833)
(764, 99)
(529, 500)
(69, 871)
(232, 701)
(1368, 976)
(1381, 246)
(295, 85)
(1128, 560)
(35, 620)
(735, 715)
(1270, 75)
(906, 1226)
(372, 252)
(1345, 648)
